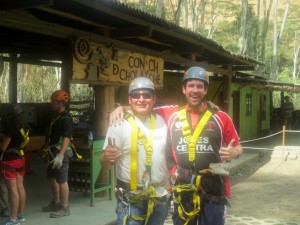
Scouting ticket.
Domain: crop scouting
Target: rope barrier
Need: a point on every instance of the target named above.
(257, 139)
(283, 132)
(267, 149)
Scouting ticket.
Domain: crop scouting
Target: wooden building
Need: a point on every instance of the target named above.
(106, 44)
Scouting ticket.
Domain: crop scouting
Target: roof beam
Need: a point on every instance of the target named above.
(131, 32)
(22, 4)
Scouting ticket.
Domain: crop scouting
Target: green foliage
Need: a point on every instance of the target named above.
(36, 83)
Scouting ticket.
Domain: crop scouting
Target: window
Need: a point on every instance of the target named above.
(248, 104)
(36, 83)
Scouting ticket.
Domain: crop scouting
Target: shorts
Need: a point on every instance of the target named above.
(10, 168)
(61, 174)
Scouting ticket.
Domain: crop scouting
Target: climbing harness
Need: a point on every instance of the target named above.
(148, 193)
(46, 151)
(137, 134)
(191, 140)
(25, 136)
(193, 188)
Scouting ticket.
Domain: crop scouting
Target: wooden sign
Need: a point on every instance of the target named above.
(98, 62)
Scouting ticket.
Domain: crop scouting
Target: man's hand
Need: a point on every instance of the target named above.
(112, 152)
(57, 161)
(230, 152)
(116, 116)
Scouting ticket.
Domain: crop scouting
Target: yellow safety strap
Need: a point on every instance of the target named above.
(136, 135)
(75, 151)
(25, 136)
(70, 147)
(147, 194)
(192, 139)
(187, 216)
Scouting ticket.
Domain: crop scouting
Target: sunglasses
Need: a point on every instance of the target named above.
(137, 95)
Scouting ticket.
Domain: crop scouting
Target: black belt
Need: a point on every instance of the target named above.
(214, 198)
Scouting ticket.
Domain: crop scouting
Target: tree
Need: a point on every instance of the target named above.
(243, 27)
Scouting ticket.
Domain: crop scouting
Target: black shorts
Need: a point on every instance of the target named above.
(61, 174)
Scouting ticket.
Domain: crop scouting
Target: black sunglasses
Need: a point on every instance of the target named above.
(137, 95)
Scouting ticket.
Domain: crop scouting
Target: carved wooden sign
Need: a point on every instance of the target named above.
(93, 61)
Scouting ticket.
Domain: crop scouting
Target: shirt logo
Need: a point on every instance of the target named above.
(178, 124)
(210, 126)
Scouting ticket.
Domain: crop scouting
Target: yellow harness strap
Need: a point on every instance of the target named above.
(192, 139)
(25, 136)
(181, 189)
(148, 194)
(75, 150)
(136, 135)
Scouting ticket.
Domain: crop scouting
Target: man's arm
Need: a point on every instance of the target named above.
(117, 115)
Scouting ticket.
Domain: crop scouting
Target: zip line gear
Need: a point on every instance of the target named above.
(13, 110)
(136, 135)
(60, 95)
(193, 187)
(25, 141)
(197, 73)
(131, 199)
(180, 189)
(141, 83)
(47, 150)
(191, 140)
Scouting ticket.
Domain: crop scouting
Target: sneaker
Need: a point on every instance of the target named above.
(21, 218)
(60, 213)
(11, 222)
(4, 212)
(52, 207)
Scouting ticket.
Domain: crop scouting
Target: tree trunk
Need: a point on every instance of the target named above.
(202, 16)
(265, 28)
(243, 26)
(177, 13)
(283, 22)
(274, 58)
(212, 27)
(142, 4)
(159, 8)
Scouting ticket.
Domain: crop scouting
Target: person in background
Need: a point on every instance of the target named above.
(58, 153)
(137, 150)
(3, 189)
(287, 108)
(202, 138)
(15, 138)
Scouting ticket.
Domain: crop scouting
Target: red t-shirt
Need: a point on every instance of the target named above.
(218, 132)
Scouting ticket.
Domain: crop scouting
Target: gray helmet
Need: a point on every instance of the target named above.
(13, 110)
(196, 72)
(141, 83)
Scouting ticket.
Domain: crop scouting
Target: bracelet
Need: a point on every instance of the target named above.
(238, 154)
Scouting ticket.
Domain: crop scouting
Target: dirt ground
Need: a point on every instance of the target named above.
(267, 189)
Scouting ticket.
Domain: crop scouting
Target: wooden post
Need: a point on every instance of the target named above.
(226, 92)
(283, 141)
(13, 73)
(105, 100)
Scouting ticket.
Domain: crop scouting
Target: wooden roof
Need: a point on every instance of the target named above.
(259, 82)
(52, 21)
